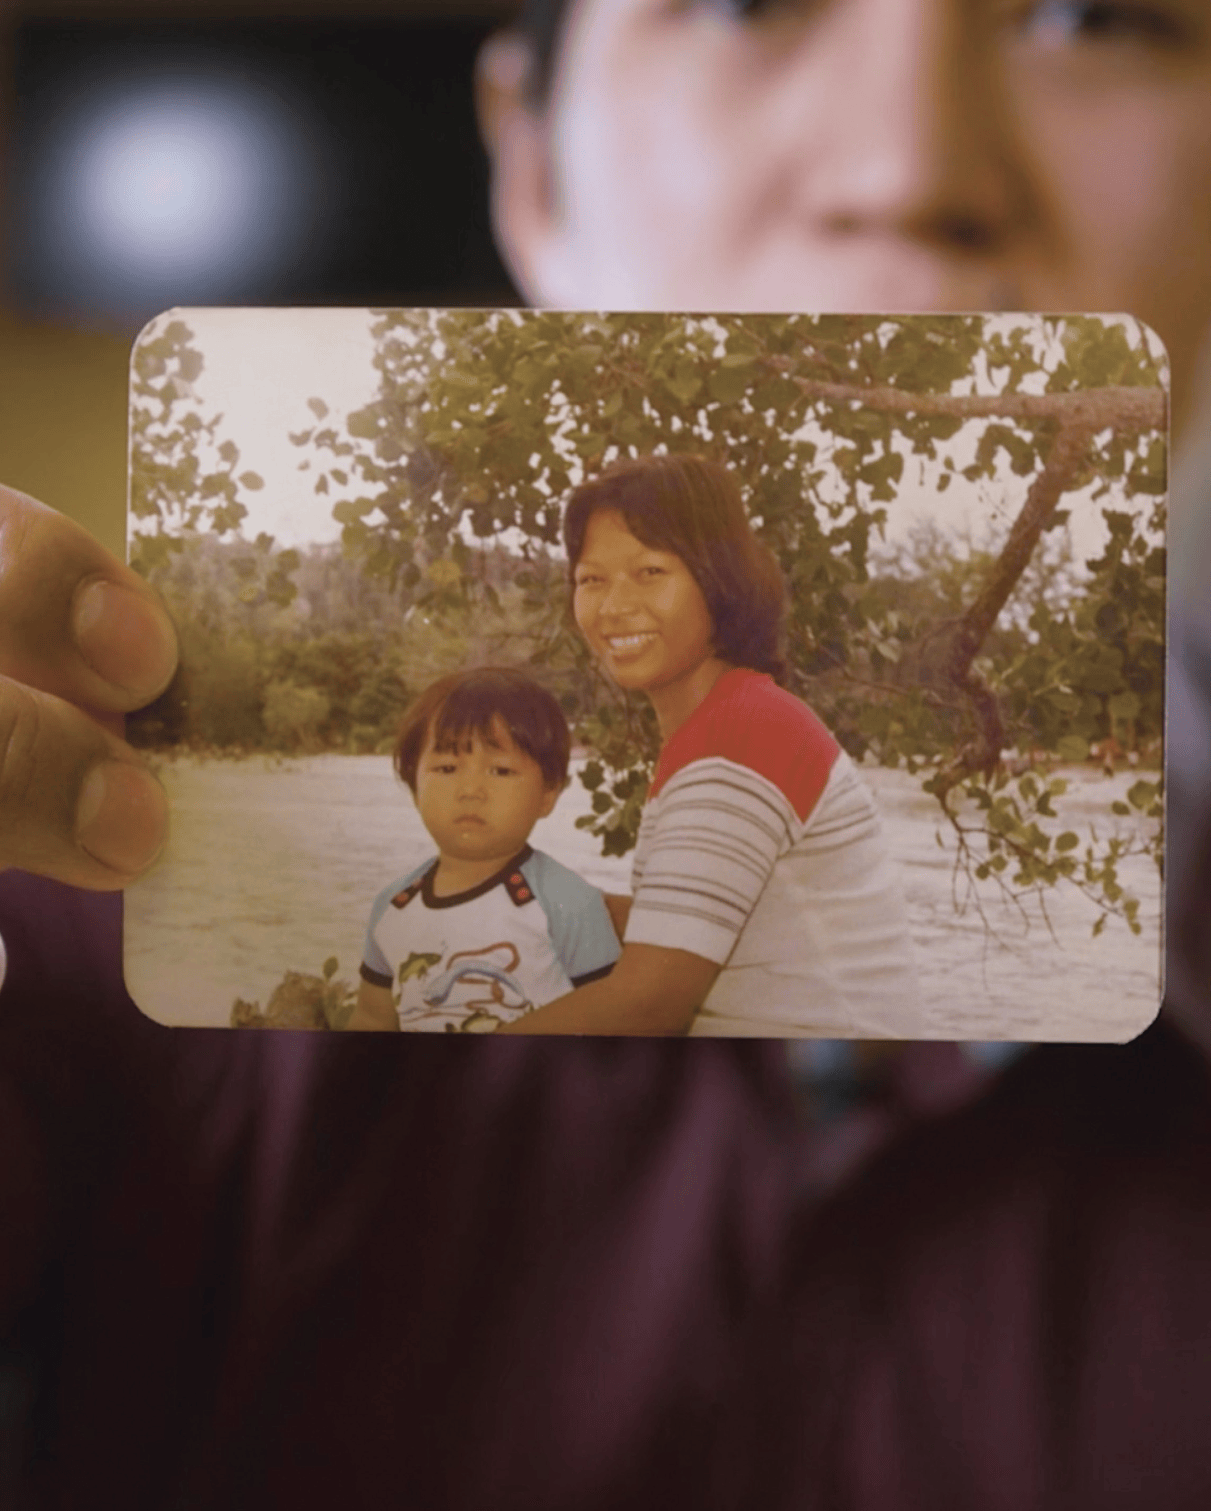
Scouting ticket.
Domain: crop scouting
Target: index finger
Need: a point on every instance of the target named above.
(75, 621)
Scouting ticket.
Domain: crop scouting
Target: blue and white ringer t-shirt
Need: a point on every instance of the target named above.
(481, 958)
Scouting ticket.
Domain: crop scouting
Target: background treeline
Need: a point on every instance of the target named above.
(304, 652)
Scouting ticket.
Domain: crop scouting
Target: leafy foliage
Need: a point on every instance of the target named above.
(257, 675)
(183, 477)
(301, 1001)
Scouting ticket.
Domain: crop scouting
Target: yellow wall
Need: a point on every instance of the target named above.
(63, 422)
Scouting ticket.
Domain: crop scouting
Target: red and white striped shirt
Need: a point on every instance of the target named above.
(761, 849)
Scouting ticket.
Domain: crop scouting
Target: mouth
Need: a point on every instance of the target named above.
(469, 818)
(629, 645)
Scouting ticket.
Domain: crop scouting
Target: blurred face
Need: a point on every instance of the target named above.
(480, 800)
(644, 616)
(861, 155)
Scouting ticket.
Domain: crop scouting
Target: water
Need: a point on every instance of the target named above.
(272, 866)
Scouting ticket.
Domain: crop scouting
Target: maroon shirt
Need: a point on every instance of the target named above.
(1010, 1308)
(456, 1273)
(263, 1269)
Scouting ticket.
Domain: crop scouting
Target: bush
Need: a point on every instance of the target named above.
(300, 1001)
(222, 688)
(293, 716)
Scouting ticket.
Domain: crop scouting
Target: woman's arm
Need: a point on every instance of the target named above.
(618, 905)
(652, 991)
(375, 1009)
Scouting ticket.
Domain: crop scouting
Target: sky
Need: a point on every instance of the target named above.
(263, 365)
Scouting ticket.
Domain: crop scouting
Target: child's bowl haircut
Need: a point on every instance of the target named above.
(469, 703)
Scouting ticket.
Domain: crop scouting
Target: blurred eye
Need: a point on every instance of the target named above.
(1060, 21)
(745, 10)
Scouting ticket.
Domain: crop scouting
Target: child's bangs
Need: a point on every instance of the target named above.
(467, 712)
(457, 709)
(473, 709)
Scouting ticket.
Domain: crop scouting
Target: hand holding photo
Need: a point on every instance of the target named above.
(848, 630)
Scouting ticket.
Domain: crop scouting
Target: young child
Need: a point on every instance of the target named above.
(489, 928)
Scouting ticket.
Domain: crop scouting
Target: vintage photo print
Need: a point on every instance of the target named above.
(797, 676)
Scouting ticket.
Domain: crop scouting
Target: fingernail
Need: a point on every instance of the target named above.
(122, 816)
(125, 638)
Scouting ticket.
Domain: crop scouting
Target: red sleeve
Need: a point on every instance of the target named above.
(749, 720)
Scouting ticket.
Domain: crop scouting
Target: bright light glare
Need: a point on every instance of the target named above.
(185, 191)
(167, 185)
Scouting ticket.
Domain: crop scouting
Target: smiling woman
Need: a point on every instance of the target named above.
(676, 556)
(761, 867)
(643, 614)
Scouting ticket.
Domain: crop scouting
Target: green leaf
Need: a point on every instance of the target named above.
(1141, 794)
(684, 382)
(730, 384)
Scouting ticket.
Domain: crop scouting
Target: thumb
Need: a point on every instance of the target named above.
(76, 803)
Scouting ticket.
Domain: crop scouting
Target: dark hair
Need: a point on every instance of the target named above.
(541, 22)
(691, 505)
(469, 702)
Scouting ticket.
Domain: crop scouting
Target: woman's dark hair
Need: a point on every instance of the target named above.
(469, 703)
(691, 506)
(541, 23)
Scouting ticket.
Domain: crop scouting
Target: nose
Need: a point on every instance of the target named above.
(618, 600)
(911, 136)
(470, 783)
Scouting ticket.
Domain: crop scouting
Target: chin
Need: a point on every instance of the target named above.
(469, 849)
(875, 282)
(631, 681)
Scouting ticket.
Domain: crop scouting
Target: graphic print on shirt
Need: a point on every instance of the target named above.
(418, 964)
(474, 961)
(475, 970)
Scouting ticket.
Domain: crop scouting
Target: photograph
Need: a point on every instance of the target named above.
(781, 676)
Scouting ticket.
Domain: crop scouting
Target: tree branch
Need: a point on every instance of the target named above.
(1110, 408)
(943, 657)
